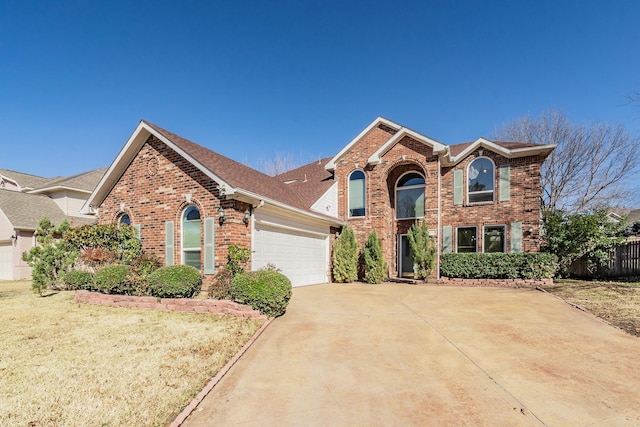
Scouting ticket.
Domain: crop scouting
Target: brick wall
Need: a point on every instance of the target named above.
(409, 155)
(156, 187)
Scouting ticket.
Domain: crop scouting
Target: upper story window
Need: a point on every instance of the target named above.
(191, 237)
(410, 196)
(357, 194)
(481, 180)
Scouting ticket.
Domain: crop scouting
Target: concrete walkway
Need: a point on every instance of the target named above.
(392, 355)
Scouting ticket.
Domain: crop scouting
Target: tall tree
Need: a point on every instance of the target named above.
(591, 165)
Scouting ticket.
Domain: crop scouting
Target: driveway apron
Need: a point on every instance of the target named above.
(395, 355)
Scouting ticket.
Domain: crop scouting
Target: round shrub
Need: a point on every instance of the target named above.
(174, 281)
(114, 279)
(77, 279)
(265, 290)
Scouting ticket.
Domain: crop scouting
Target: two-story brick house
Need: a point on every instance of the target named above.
(190, 203)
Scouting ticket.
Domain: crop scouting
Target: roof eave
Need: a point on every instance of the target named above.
(541, 150)
(376, 157)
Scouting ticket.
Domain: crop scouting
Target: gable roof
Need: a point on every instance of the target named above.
(24, 180)
(232, 177)
(83, 182)
(310, 181)
(458, 152)
(24, 211)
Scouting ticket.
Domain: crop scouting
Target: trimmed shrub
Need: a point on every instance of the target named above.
(345, 256)
(78, 279)
(265, 290)
(114, 279)
(219, 289)
(498, 265)
(375, 267)
(174, 281)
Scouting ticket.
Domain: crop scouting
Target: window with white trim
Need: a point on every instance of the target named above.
(357, 194)
(191, 236)
(480, 176)
(466, 240)
(410, 196)
(494, 238)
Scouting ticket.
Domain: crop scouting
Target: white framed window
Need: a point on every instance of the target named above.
(410, 196)
(480, 179)
(191, 237)
(357, 194)
(493, 238)
(466, 239)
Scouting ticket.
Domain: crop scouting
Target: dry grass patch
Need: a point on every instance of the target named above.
(68, 364)
(618, 303)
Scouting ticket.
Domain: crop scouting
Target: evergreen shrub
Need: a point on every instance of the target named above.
(174, 281)
(265, 290)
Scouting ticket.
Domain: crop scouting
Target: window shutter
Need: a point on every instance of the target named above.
(516, 237)
(138, 230)
(168, 243)
(457, 187)
(505, 182)
(209, 246)
(447, 239)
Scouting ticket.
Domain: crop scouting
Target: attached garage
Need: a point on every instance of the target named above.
(302, 254)
(6, 261)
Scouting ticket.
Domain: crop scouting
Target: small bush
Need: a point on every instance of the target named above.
(77, 279)
(219, 289)
(115, 279)
(145, 264)
(175, 281)
(265, 290)
(498, 265)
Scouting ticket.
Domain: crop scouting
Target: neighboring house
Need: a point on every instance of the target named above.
(191, 203)
(25, 200)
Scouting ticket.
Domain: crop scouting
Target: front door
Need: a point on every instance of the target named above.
(405, 257)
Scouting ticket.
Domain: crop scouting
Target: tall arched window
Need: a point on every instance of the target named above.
(357, 194)
(191, 237)
(410, 196)
(480, 176)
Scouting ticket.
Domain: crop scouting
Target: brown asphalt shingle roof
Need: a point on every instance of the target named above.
(310, 181)
(238, 175)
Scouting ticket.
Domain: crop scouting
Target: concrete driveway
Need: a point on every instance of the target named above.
(392, 355)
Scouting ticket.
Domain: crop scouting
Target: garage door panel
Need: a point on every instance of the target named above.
(301, 256)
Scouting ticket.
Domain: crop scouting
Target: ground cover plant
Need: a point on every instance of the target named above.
(68, 364)
(618, 303)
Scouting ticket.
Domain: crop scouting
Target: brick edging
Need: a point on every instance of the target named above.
(502, 283)
(170, 304)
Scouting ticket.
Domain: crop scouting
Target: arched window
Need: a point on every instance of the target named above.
(480, 176)
(191, 237)
(357, 194)
(124, 219)
(410, 196)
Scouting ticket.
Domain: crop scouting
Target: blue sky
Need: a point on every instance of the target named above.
(252, 79)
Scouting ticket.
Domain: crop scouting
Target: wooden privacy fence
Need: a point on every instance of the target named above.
(624, 261)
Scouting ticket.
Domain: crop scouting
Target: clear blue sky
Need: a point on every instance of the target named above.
(251, 79)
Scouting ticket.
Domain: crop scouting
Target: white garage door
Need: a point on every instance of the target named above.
(6, 261)
(301, 256)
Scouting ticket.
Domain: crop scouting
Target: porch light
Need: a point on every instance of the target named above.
(221, 217)
(247, 215)
(14, 237)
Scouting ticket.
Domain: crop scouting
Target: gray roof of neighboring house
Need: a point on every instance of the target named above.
(25, 179)
(25, 211)
(85, 181)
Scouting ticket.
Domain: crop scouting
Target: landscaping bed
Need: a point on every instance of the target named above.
(618, 303)
(66, 364)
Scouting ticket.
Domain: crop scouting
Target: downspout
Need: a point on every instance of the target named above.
(438, 238)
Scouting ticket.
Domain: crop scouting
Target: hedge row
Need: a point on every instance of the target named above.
(498, 265)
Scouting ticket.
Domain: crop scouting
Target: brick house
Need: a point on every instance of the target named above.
(189, 203)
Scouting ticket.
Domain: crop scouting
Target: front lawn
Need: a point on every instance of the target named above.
(618, 303)
(68, 364)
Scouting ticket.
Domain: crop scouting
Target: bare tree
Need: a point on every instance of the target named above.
(591, 166)
(279, 163)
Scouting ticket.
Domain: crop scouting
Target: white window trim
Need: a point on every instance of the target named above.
(364, 195)
(466, 226)
(493, 180)
(411, 187)
(182, 247)
(504, 236)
